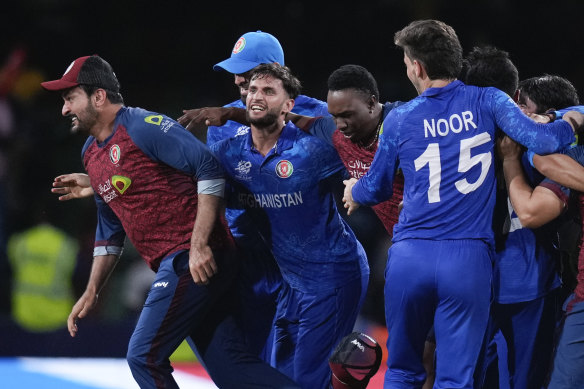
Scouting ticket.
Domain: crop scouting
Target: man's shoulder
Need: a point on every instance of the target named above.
(236, 104)
(309, 106)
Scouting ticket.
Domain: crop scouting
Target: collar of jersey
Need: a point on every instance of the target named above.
(285, 141)
(436, 91)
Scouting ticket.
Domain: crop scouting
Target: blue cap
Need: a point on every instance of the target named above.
(251, 50)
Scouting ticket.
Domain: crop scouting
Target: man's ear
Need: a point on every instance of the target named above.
(289, 105)
(419, 69)
(99, 97)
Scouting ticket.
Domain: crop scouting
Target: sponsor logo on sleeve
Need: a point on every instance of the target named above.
(159, 120)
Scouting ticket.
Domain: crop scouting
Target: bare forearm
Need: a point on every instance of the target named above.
(102, 267)
(207, 214)
(534, 207)
(518, 188)
(561, 169)
(299, 121)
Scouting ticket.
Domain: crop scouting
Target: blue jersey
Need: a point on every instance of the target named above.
(145, 180)
(525, 267)
(444, 141)
(288, 195)
(303, 105)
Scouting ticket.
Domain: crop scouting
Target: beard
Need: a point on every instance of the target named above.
(268, 120)
(86, 121)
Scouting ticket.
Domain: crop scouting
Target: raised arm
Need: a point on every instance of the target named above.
(534, 207)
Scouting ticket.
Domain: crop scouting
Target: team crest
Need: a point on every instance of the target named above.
(284, 169)
(239, 45)
(115, 154)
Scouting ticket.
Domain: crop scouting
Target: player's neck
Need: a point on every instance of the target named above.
(373, 128)
(104, 126)
(265, 138)
(439, 83)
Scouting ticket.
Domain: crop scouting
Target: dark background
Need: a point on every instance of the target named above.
(163, 53)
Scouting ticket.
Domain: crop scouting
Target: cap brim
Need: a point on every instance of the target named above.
(58, 85)
(235, 66)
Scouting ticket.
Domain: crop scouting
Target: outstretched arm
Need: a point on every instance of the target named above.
(72, 186)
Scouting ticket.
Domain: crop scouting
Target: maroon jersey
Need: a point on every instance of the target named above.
(357, 160)
(146, 174)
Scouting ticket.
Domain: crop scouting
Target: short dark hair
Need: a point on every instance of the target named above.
(112, 96)
(549, 91)
(291, 84)
(435, 45)
(490, 66)
(353, 77)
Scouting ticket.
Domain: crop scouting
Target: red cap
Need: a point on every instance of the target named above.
(69, 79)
(89, 70)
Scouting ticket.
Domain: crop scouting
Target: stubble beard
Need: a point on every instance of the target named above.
(89, 119)
(269, 120)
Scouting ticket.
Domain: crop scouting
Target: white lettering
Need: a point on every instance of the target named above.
(454, 123)
(427, 128)
(467, 117)
(270, 200)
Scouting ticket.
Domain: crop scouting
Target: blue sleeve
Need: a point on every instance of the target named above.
(309, 106)
(577, 154)
(540, 138)
(164, 140)
(323, 128)
(561, 112)
(325, 159)
(109, 234)
(377, 185)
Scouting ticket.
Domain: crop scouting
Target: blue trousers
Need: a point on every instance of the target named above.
(177, 308)
(528, 331)
(258, 284)
(568, 368)
(447, 283)
(309, 326)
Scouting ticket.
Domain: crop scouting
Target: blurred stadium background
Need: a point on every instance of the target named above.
(163, 54)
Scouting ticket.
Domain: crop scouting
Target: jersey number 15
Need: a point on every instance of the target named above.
(431, 157)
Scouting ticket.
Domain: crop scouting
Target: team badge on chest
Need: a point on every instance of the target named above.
(284, 169)
(115, 154)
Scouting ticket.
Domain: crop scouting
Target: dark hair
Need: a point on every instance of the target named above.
(291, 84)
(113, 97)
(489, 66)
(549, 91)
(353, 77)
(435, 45)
